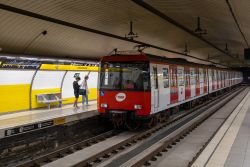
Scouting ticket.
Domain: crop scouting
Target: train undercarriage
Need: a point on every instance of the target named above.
(130, 120)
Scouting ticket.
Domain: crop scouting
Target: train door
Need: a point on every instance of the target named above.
(215, 80)
(201, 80)
(192, 81)
(227, 79)
(164, 90)
(197, 89)
(154, 88)
(219, 79)
(227, 82)
(232, 78)
(173, 85)
(205, 80)
(181, 83)
(187, 83)
(210, 81)
(223, 79)
(221, 76)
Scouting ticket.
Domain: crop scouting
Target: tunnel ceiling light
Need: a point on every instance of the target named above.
(28, 58)
(48, 60)
(8, 57)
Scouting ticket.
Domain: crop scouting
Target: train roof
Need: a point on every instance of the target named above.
(151, 57)
(132, 56)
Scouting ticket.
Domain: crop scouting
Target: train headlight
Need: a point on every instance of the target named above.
(104, 105)
(138, 107)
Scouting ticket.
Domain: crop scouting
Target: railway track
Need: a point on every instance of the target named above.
(42, 160)
(172, 126)
(152, 153)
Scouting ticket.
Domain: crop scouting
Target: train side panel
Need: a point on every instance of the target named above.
(187, 83)
(181, 83)
(193, 82)
(160, 87)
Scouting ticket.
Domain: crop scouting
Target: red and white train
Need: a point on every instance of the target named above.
(136, 87)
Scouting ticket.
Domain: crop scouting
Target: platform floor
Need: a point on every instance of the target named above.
(230, 147)
(24, 121)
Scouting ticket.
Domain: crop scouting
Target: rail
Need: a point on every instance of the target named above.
(175, 124)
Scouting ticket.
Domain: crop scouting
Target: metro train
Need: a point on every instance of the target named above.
(147, 88)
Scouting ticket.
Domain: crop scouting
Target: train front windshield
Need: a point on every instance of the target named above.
(125, 76)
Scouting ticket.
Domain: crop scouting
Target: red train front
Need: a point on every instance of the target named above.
(124, 87)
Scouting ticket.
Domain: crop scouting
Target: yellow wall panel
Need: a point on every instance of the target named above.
(59, 67)
(92, 94)
(42, 91)
(14, 97)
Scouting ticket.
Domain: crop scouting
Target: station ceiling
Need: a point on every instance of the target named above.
(93, 28)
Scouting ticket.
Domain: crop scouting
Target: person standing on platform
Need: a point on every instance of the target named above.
(84, 90)
(76, 88)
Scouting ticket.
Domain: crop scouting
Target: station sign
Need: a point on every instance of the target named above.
(20, 64)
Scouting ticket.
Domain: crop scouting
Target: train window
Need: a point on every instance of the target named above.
(218, 74)
(180, 76)
(197, 75)
(187, 77)
(205, 75)
(214, 74)
(192, 77)
(124, 76)
(173, 76)
(155, 77)
(165, 77)
(201, 75)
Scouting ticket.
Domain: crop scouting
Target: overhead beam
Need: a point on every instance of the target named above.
(79, 27)
(236, 22)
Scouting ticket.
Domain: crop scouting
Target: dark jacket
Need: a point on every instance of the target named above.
(76, 86)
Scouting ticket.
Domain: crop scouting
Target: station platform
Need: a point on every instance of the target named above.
(26, 121)
(230, 147)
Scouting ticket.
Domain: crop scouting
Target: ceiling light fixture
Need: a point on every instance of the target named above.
(140, 48)
(226, 49)
(131, 35)
(199, 30)
(186, 51)
(45, 32)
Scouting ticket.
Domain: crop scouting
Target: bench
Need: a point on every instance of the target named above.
(49, 98)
